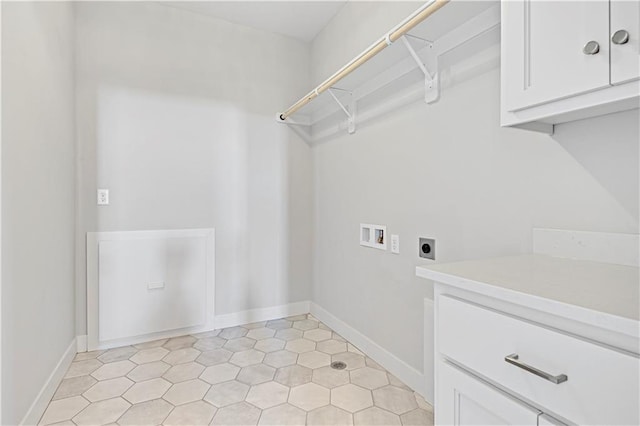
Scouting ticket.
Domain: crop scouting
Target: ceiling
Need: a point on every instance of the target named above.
(302, 20)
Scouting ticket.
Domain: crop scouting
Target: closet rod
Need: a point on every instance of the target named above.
(401, 29)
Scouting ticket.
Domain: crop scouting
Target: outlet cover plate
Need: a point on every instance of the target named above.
(103, 197)
(427, 248)
(395, 244)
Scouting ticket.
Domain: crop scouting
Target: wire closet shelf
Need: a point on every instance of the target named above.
(399, 67)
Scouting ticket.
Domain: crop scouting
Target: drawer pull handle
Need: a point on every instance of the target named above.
(514, 359)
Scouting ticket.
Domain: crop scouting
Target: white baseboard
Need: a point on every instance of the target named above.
(220, 321)
(82, 343)
(41, 402)
(261, 314)
(403, 371)
(126, 341)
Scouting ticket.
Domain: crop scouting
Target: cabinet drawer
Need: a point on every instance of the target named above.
(602, 384)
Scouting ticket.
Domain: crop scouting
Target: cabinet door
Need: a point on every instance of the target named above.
(542, 50)
(625, 55)
(462, 399)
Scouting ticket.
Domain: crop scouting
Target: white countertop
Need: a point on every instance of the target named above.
(551, 283)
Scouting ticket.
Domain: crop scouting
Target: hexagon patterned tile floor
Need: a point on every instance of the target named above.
(269, 373)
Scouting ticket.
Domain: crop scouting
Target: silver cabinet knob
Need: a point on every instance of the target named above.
(620, 37)
(591, 48)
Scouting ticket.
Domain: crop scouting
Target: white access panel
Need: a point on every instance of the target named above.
(625, 58)
(147, 283)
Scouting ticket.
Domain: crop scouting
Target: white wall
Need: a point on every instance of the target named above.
(38, 167)
(449, 171)
(0, 222)
(176, 117)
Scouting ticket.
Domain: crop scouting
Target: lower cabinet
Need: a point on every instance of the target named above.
(496, 368)
(464, 399)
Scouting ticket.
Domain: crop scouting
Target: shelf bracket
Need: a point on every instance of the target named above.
(423, 40)
(350, 112)
(431, 82)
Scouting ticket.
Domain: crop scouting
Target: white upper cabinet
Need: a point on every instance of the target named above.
(625, 41)
(550, 37)
(567, 60)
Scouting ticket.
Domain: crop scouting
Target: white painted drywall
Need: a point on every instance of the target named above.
(38, 175)
(176, 117)
(449, 171)
(0, 221)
